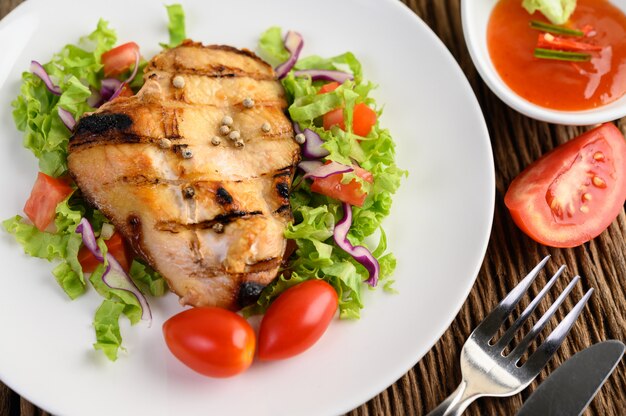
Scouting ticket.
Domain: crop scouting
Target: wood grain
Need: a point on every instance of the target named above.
(516, 142)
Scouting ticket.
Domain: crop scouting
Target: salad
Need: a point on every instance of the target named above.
(339, 199)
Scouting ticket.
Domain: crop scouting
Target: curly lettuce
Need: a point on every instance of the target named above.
(317, 256)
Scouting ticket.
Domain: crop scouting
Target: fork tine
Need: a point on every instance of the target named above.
(541, 323)
(492, 322)
(508, 335)
(552, 343)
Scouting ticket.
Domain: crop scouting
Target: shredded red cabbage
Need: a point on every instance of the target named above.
(361, 254)
(114, 276)
(325, 75)
(293, 44)
(309, 166)
(329, 169)
(312, 147)
(38, 69)
(67, 118)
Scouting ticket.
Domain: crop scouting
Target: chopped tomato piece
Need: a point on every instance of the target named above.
(119, 59)
(350, 192)
(550, 41)
(47, 193)
(331, 86)
(573, 193)
(126, 91)
(334, 118)
(363, 119)
(115, 245)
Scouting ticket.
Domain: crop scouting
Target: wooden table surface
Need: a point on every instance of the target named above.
(516, 142)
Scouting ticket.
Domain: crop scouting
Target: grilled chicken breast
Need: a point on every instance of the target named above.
(205, 211)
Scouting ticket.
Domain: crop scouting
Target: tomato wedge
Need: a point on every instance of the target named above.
(350, 192)
(119, 59)
(47, 193)
(573, 193)
(115, 245)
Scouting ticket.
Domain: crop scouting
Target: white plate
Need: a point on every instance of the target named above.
(439, 227)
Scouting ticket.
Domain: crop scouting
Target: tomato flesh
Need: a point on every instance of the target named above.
(573, 193)
(331, 86)
(119, 59)
(350, 192)
(296, 320)
(214, 342)
(115, 245)
(363, 118)
(46, 194)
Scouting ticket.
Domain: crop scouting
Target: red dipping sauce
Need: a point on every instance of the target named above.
(553, 84)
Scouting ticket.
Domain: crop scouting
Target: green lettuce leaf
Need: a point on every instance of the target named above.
(76, 69)
(107, 327)
(272, 47)
(557, 11)
(176, 26)
(147, 279)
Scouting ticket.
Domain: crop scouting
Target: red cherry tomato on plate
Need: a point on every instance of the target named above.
(296, 320)
(214, 342)
(573, 193)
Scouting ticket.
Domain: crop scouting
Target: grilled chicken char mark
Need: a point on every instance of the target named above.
(210, 218)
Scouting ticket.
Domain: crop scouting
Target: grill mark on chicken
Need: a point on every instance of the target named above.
(223, 197)
(100, 123)
(224, 219)
(213, 72)
(249, 293)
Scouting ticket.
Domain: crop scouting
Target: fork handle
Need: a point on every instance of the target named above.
(456, 403)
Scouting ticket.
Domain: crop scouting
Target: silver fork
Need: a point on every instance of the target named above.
(486, 370)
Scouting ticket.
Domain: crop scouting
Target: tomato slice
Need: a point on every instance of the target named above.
(116, 246)
(350, 192)
(46, 194)
(363, 119)
(297, 320)
(573, 193)
(119, 59)
(212, 341)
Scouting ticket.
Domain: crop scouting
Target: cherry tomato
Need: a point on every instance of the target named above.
(297, 320)
(115, 245)
(350, 193)
(46, 194)
(214, 342)
(573, 193)
(119, 59)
